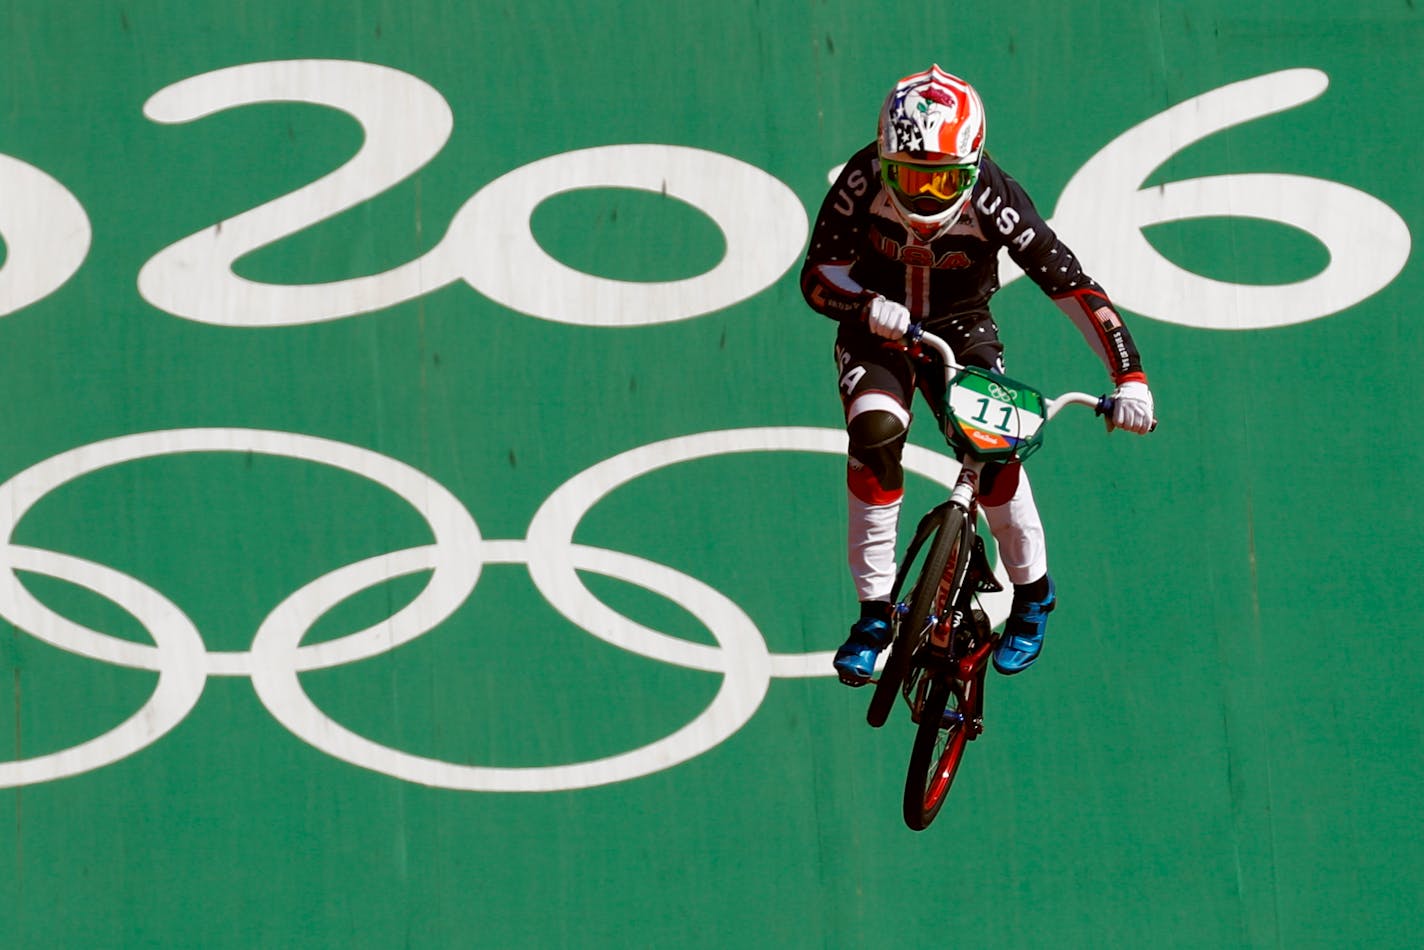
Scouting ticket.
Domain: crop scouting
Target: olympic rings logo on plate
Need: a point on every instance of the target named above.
(455, 559)
(1001, 392)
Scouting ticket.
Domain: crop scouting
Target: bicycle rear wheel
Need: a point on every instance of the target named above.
(934, 758)
(936, 585)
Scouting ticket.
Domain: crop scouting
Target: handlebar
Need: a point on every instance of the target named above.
(917, 335)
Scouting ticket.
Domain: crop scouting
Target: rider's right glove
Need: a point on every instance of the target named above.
(1132, 408)
(886, 318)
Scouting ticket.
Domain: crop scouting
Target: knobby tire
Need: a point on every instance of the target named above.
(934, 758)
(935, 754)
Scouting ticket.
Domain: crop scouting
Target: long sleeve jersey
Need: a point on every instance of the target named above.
(860, 249)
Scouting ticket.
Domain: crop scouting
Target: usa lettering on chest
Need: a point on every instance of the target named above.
(917, 255)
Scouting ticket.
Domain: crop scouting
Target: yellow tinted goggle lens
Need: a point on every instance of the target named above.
(941, 182)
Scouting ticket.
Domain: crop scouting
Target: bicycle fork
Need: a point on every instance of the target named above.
(955, 604)
(958, 624)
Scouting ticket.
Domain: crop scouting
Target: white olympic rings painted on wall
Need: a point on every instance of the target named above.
(455, 558)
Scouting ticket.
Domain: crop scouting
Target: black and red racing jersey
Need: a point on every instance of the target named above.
(860, 248)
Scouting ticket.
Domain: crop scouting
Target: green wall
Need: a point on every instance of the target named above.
(443, 554)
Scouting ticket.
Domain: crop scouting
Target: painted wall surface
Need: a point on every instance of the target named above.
(422, 493)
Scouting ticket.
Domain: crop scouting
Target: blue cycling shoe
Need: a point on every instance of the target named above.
(855, 660)
(1023, 633)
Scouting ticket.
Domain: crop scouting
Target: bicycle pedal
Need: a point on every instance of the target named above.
(854, 681)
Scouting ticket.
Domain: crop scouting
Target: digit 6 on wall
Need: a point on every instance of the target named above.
(1104, 207)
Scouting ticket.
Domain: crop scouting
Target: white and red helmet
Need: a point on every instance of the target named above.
(931, 137)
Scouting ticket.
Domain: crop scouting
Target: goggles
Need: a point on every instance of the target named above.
(927, 189)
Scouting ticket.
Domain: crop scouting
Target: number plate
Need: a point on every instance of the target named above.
(992, 416)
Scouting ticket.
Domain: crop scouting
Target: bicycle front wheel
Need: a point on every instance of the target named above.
(936, 586)
(934, 759)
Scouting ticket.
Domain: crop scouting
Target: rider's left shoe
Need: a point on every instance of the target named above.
(1022, 641)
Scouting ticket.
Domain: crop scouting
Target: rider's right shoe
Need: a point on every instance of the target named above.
(855, 660)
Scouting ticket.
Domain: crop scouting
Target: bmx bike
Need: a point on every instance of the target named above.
(941, 639)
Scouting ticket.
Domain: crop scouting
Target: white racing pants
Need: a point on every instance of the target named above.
(871, 540)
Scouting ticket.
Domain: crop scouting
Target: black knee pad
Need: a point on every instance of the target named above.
(874, 429)
(877, 438)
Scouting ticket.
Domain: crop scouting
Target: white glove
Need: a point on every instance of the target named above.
(887, 318)
(1132, 408)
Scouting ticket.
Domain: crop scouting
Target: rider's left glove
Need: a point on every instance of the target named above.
(1132, 408)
